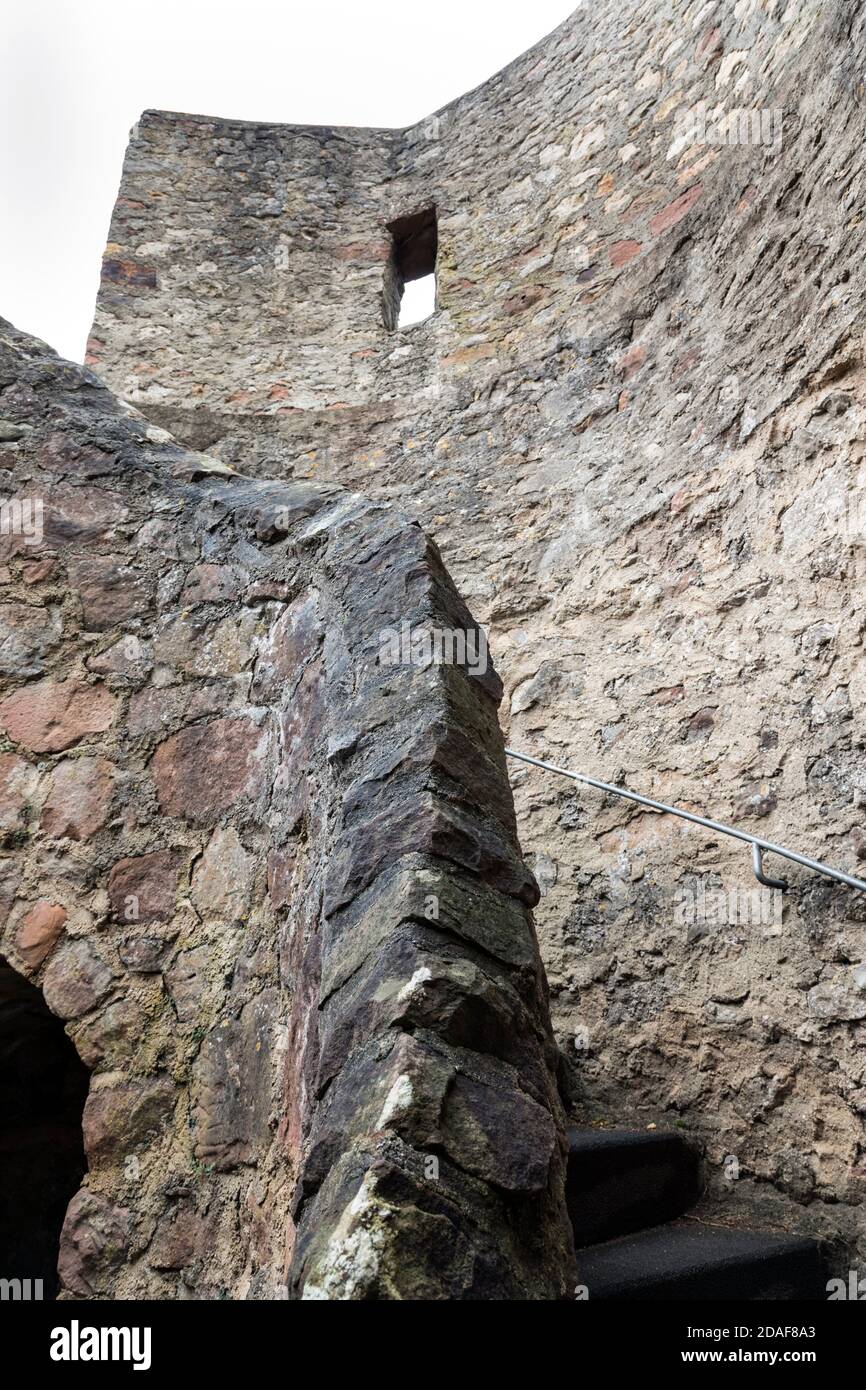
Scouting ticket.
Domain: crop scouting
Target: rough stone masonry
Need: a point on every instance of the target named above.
(635, 424)
(269, 881)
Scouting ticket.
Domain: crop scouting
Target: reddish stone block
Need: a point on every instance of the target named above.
(746, 201)
(93, 1244)
(632, 360)
(80, 798)
(129, 659)
(623, 251)
(53, 715)
(76, 979)
(120, 1115)
(210, 584)
(365, 252)
(109, 590)
(93, 352)
(201, 771)
(144, 888)
(38, 931)
(74, 513)
(37, 571)
(675, 211)
(669, 694)
(67, 456)
(175, 1242)
(281, 868)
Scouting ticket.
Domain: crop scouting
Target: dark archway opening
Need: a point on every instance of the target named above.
(43, 1087)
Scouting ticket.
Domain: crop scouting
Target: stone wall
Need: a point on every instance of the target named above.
(267, 875)
(635, 425)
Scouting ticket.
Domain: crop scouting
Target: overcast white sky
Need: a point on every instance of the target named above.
(76, 74)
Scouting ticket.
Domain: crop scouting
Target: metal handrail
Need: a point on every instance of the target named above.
(759, 846)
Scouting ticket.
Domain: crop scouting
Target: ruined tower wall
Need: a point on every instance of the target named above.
(267, 876)
(635, 425)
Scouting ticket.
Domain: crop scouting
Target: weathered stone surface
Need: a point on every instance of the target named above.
(383, 828)
(211, 584)
(76, 979)
(27, 633)
(112, 1035)
(8, 888)
(110, 591)
(79, 798)
(85, 513)
(186, 981)
(418, 890)
(18, 782)
(53, 715)
(203, 648)
(176, 1240)
(38, 931)
(403, 760)
(130, 659)
(94, 1244)
(143, 888)
(154, 711)
(232, 1088)
(675, 211)
(143, 953)
(635, 425)
(499, 1134)
(838, 1000)
(203, 770)
(311, 1033)
(120, 1115)
(293, 641)
(222, 879)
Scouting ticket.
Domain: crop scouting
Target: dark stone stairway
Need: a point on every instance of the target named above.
(627, 1194)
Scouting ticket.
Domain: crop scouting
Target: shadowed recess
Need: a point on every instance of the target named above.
(43, 1086)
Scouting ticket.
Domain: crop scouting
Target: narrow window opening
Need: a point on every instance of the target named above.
(418, 302)
(409, 294)
(43, 1087)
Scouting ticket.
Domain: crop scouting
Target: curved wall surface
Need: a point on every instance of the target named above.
(635, 424)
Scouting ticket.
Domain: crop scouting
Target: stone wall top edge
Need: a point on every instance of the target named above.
(154, 117)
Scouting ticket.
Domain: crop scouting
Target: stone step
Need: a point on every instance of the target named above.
(686, 1259)
(622, 1180)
